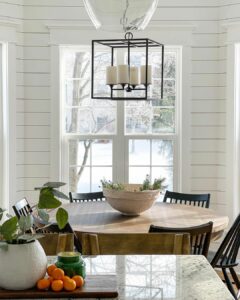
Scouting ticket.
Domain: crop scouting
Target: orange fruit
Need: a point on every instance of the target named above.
(50, 278)
(57, 273)
(79, 280)
(57, 285)
(69, 285)
(65, 278)
(50, 269)
(43, 284)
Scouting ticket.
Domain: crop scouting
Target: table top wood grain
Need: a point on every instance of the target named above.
(101, 217)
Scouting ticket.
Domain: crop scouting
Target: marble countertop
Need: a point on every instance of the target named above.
(161, 277)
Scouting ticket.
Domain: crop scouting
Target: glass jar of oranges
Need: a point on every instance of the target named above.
(72, 264)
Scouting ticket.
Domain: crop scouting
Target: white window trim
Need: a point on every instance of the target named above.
(232, 119)
(81, 34)
(4, 127)
(8, 40)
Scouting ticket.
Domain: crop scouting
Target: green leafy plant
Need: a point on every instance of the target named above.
(20, 231)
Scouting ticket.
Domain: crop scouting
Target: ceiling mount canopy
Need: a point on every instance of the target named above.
(120, 15)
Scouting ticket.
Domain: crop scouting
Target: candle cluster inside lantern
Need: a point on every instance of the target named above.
(127, 77)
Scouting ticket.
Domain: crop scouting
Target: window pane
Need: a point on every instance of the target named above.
(77, 91)
(78, 120)
(79, 183)
(162, 152)
(76, 64)
(138, 117)
(90, 120)
(170, 86)
(163, 120)
(84, 115)
(157, 115)
(166, 172)
(170, 64)
(138, 174)
(102, 152)
(84, 157)
(159, 163)
(79, 152)
(98, 173)
(102, 60)
(139, 152)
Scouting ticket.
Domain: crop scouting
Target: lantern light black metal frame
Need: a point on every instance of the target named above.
(127, 43)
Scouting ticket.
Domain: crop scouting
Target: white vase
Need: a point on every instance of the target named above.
(21, 265)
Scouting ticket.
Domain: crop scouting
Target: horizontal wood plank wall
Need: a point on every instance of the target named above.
(208, 87)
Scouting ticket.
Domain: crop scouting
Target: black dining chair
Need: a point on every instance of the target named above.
(226, 257)
(86, 197)
(202, 200)
(23, 208)
(200, 236)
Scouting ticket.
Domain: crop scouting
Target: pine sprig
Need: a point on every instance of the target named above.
(157, 184)
(108, 184)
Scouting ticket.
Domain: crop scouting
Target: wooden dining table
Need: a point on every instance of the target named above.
(101, 217)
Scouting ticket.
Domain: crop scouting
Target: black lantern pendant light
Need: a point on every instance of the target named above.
(126, 77)
(127, 81)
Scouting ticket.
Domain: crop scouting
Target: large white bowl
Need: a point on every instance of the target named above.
(131, 201)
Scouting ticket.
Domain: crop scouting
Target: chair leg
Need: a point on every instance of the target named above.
(235, 278)
(238, 295)
(229, 283)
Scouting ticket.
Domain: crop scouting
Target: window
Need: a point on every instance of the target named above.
(122, 141)
(3, 125)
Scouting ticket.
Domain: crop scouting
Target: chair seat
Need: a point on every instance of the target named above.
(224, 261)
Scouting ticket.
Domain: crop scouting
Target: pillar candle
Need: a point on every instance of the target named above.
(111, 75)
(122, 74)
(134, 76)
(143, 74)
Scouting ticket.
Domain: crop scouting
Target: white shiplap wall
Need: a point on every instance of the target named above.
(208, 105)
(208, 111)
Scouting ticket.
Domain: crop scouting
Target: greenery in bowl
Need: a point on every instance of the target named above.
(157, 184)
(108, 184)
(16, 231)
(146, 185)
